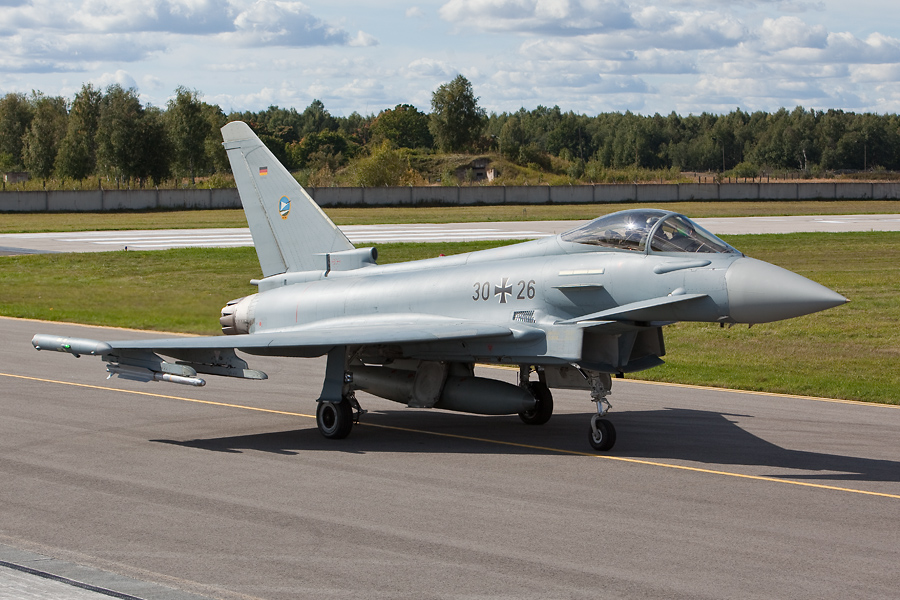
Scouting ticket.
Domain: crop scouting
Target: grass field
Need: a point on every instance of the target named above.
(851, 352)
(201, 219)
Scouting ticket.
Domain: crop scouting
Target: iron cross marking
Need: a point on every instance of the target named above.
(503, 290)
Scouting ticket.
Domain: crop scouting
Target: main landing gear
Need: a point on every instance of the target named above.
(543, 408)
(335, 420)
(602, 434)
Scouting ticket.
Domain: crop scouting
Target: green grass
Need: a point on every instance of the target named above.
(112, 221)
(851, 352)
(179, 290)
(170, 290)
(197, 219)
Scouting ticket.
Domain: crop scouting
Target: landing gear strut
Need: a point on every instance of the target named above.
(335, 418)
(602, 434)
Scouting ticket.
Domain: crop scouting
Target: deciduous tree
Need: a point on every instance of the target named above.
(188, 130)
(47, 129)
(77, 156)
(456, 119)
(404, 126)
(15, 117)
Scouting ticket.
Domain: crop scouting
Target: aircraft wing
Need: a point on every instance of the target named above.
(386, 329)
(311, 339)
(138, 359)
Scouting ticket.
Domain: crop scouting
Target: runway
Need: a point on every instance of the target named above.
(99, 241)
(229, 491)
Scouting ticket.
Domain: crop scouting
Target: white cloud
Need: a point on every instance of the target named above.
(360, 88)
(800, 7)
(559, 17)
(69, 50)
(791, 32)
(181, 16)
(414, 12)
(659, 62)
(429, 67)
(150, 82)
(362, 40)
(691, 30)
(276, 23)
(845, 48)
(285, 95)
(120, 77)
(875, 73)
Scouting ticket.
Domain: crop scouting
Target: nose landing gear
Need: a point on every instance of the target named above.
(602, 434)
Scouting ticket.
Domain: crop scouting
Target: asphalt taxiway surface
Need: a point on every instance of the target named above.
(229, 491)
(99, 241)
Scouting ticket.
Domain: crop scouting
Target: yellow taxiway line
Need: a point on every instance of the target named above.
(477, 439)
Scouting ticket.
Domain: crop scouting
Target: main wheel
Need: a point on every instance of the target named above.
(543, 408)
(335, 420)
(604, 437)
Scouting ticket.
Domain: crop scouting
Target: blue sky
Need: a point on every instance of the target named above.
(590, 56)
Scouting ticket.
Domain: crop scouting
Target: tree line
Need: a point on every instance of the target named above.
(110, 133)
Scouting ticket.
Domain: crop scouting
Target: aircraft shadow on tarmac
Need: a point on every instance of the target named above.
(697, 436)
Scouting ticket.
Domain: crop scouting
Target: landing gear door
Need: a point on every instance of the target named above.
(565, 377)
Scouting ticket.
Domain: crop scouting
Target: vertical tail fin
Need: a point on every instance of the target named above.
(290, 231)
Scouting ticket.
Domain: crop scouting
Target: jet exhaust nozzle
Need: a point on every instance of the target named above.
(237, 315)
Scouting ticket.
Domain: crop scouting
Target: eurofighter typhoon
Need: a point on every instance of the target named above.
(570, 311)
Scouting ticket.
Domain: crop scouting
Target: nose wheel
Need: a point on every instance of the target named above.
(602, 435)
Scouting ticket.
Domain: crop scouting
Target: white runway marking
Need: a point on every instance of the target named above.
(99, 241)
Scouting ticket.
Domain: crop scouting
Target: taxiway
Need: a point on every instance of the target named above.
(229, 491)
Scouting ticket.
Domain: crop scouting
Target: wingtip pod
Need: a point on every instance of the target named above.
(74, 346)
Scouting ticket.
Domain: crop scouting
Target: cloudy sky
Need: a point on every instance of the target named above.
(589, 56)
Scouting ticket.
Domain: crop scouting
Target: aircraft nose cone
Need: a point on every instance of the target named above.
(759, 292)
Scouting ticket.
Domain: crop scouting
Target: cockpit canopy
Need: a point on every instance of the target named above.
(631, 229)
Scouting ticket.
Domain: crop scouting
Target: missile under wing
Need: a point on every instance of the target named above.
(570, 311)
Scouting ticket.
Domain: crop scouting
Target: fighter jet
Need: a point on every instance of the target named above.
(570, 311)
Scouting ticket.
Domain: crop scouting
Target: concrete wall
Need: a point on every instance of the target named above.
(698, 191)
(100, 200)
(656, 192)
(436, 195)
(572, 194)
(614, 192)
(23, 201)
(885, 191)
(481, 195)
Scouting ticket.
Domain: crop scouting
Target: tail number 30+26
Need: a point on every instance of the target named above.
(521, 290)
